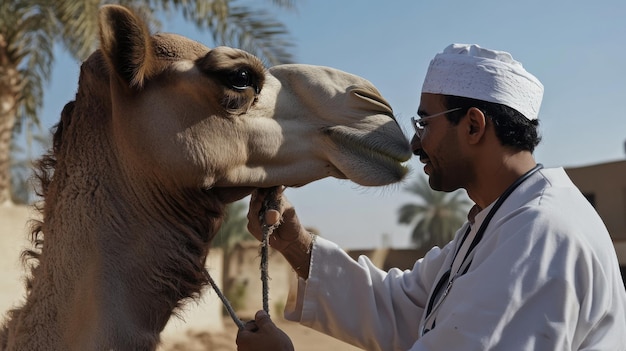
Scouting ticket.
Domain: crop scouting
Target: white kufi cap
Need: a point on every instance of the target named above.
(494, 76)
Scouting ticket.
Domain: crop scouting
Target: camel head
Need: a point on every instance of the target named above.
(191, 116)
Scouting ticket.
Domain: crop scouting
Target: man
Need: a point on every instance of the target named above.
(533, 268)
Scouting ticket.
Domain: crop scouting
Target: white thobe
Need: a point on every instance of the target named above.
(544, 276)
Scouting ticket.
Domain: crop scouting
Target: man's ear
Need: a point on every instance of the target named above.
(476, 125)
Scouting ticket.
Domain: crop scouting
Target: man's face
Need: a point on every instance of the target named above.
(439, 147)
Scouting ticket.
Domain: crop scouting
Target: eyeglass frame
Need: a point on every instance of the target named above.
(419, 130)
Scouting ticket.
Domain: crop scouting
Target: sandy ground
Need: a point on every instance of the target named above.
(303, 338)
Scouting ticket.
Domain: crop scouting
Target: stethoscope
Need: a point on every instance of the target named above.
(431, 307)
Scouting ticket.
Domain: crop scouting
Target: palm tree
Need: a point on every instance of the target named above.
(234, 228)
(21, 164)
(29, 29)
(436, 217)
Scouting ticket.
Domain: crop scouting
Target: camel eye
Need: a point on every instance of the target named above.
(241, 79)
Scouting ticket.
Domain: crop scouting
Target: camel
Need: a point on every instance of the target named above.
(163, 134)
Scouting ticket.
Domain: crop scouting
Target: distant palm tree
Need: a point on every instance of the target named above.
(22, 190)
(436, 217)
(20, 177)
(29, 30)
(234, 228)
(233, 231)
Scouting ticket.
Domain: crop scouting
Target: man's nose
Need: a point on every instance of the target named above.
(416, 145)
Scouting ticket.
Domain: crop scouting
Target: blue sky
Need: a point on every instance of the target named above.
(576, 48)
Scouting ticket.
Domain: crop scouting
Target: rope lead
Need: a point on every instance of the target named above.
(270, 202)
(226, 303)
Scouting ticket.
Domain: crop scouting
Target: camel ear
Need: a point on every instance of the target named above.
(126, 45)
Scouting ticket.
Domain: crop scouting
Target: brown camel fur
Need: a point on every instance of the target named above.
(163, 133)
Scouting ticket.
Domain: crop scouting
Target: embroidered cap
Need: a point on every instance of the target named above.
(478, 73)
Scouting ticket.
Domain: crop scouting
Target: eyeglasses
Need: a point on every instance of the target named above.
(419, 129)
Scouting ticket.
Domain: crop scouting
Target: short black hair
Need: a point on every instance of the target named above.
(512, 128)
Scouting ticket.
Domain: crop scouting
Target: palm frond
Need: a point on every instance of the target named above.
(29, 32)
(437, 215)
(286, 4)
(234, 228)
(255, 31)
(408, 213)
(252, 29)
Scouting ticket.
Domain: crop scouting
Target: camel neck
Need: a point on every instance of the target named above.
(163, 260)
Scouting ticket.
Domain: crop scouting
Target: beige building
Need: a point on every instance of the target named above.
(604, 185)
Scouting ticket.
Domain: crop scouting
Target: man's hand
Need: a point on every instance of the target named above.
(290, 238)
(262, 334)
(290, 227)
